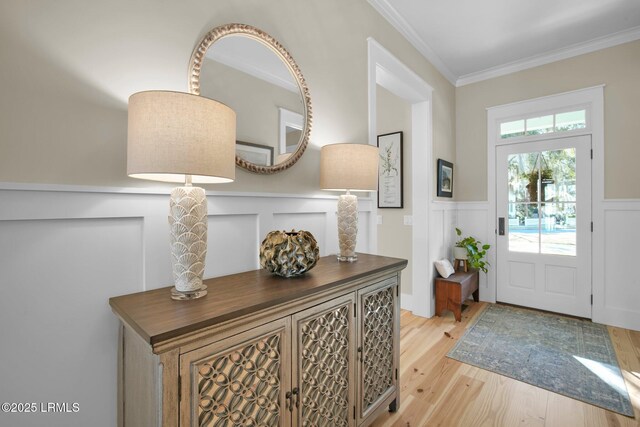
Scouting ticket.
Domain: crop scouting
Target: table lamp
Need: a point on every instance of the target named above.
(348, 167)
(179, 137)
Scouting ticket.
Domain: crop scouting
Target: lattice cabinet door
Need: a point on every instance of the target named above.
(378, 347)
(324, 364)
(241, 380)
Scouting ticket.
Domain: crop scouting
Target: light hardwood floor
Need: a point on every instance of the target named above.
(438, 391)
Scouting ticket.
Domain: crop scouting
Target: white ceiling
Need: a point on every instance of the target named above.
(472, 40)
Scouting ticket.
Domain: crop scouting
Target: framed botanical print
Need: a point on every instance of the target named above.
(445, 178)
(390, 170)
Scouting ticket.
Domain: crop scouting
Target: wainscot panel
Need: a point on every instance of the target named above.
(64, 250)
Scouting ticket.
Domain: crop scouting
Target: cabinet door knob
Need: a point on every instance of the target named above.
(288, 396)
(296, 393)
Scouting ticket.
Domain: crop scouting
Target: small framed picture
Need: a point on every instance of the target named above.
(257, 154)
(445, 178)
(390, 170)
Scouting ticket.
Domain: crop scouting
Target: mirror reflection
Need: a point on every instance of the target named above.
(252, 79)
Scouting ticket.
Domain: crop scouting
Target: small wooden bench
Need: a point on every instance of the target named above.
(454, 290)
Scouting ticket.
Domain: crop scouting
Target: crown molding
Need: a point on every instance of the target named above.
(615, 39)
(384, 8)
(399, 23)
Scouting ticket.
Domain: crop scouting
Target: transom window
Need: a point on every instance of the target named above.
(542, 124)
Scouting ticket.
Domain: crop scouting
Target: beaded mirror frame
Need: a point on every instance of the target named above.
(195, 66)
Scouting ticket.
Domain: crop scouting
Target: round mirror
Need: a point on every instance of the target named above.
(248, 70)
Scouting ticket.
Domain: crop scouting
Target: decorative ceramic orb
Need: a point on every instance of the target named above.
(289, 253)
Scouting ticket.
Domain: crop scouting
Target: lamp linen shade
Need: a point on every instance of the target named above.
(352, 167)
(173, 134)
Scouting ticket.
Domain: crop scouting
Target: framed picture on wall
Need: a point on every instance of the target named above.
(390, 170)
(255, 153)
(445, 178)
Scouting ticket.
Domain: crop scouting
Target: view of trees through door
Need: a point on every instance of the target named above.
(542, 202)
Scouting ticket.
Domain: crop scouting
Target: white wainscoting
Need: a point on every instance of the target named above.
(441, 225)
(65, 250)
(442, 219)
(616, 281)
(472, 220)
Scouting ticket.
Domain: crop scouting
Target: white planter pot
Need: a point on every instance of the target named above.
(459, 253)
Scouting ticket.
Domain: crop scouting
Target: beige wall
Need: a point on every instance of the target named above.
(394, 238)
(69, 66)
(617, 67)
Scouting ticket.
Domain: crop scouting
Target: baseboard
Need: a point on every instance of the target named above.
(406, 301)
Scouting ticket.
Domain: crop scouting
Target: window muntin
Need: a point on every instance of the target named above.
(547, 123)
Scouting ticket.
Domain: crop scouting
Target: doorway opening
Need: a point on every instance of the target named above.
(390, 73)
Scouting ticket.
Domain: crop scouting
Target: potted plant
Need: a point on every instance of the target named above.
(472, 250)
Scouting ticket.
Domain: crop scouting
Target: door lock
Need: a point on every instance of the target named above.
(501, 226)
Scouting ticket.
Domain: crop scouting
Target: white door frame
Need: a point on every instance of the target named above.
(389, 72)
(593, 100)
(544, 294)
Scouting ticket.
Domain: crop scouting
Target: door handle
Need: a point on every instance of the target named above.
(501, 226)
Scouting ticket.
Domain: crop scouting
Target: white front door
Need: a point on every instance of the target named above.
(543, 191)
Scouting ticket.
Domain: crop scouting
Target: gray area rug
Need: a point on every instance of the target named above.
(565, 355)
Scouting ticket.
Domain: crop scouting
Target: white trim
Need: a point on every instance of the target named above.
(593, 97)
(389, 72)
(577, 49)
(406, 302)
(553, 102)
(17, 186)
(288, 118)
(443, 205)
(472, 206)
(399, 23)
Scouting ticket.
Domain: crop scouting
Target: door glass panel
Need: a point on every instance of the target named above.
(558, 236)
(542, 202)
(523, 177)
(558, 171)
(524, 233)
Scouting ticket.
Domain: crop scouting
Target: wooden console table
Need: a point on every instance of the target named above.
(259, 349)
(454, 290)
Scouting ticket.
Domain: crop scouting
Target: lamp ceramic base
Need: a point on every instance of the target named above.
(352, 258)
(347, 227)
(182, 296)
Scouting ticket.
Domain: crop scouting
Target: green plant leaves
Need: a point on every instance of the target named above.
(476, 251)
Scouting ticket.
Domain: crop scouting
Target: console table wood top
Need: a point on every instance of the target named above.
(156, 317)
